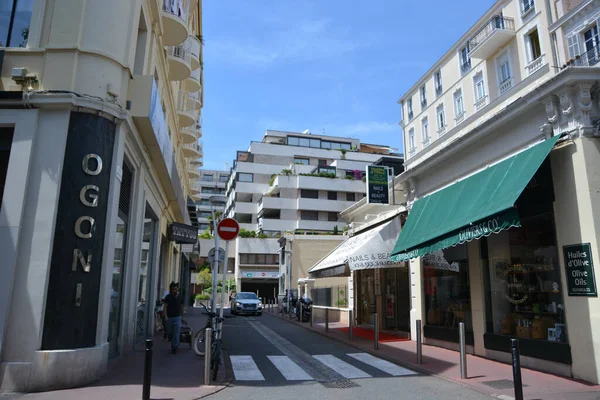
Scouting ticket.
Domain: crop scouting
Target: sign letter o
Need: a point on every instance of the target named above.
(86, 167)
(78, 227)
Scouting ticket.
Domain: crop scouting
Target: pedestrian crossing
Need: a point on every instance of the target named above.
(246, 368)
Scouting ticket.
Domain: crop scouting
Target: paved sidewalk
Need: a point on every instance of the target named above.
(445, 364)
(176, 377)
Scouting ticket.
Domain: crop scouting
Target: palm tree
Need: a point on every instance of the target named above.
(218, 215)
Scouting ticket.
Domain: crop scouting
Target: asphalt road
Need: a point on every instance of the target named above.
(273, 359)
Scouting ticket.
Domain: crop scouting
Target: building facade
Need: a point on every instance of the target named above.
(98, 133)
(501, 138)
(211, 183)
(299, 182)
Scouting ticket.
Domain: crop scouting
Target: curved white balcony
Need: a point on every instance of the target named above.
(193, 170)
(197, 161)
(192, 83)
(197, 96)
(188, 135)
(191, 150)
(178, 58)
(175, 21)
(186, 109)
(195, 186)
(195, 47)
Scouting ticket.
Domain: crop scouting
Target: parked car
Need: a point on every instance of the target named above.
(246, 303)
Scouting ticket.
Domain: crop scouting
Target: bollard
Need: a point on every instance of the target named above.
(376, 336)
(207, 354)
(312, 311)
(300, 312)
(419, 343)
(463, 351)
(327, 320)
(350, 320)
(147, 370)
(516, 364)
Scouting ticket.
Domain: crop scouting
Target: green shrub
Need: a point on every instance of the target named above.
(202, 297)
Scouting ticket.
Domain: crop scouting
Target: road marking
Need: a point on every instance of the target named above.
(381, 365)
(289, 369)
(341, 367)
(245, 369)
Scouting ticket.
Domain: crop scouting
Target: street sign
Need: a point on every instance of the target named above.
(211, 256)
(378, 191)
(228, 229)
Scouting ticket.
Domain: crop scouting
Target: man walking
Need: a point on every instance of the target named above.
(173, 312)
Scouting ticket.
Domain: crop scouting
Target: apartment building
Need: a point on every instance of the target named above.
(99, 121)
(299, 182)
(211, 183)
(502, 152)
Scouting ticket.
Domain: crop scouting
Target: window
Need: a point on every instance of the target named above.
(15, 17)
(309, 194)
(350, 196)
(479, 86)
(423, 97)
(331, 195)
(204, 202)
(437, 78)
(441, 118)
(316, 143)
(202, 227)
(223, 178)
(504, 73)
(591, 42)
(207, 177)
(293, 141)
(411, 140)
(465, 59)
(573, 44)
(207, 190)
(309, 215)
(245, 177)
(140, 46)
(326, 170)
(204, 214)
(409, 109)
(425, 130)
(303, 161)
(534, 50)
(459, 106)
(322, 163)
(526, 7)
(304, 142)
(332, 216)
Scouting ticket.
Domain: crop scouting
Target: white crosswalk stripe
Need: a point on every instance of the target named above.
(381, 365)
(245, 369)
(289, 369)
(348, 371)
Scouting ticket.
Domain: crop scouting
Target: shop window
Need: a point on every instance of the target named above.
(447, 291)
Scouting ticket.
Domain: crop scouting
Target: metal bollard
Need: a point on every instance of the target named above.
(207, 355)
(327, 320)
(312, 312)
(147, 370)
(419, 343)
(350, 320)
(516, 364)
(300, 312)
(376, 336)
(463, 351)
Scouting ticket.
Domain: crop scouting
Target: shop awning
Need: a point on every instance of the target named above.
(367, 250)
(477, 206)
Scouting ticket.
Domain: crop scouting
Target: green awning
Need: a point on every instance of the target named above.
(477, 206)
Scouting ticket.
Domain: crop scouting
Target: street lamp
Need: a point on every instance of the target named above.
(214, 202)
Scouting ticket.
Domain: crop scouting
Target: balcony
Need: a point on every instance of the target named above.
(491, 36)
(308, 225)
(277, 203)
(193, 170)
(535, 64)
(175, 21)
(188, 135)
(192, 83)
(480, 103)
(324, 204)
(195, 48)
(199, 161)
(178, 59)
(195, 186)
(186, 109)
(505, 86)
(197, 97)
(588, 59)
(191, 150)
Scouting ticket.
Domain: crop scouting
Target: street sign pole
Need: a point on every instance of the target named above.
(224, 277)
(215, 268)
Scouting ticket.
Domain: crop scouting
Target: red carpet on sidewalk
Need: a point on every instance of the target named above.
(370, 334)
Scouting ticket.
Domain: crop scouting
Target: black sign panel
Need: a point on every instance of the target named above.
(76, 266)
(181, 233)
(378, 191)
(579, 270)
(340, 270)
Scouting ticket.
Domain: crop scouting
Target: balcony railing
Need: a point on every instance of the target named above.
(186, 102)
(588, 59)
(496, 23)
(438, 90)
(180, 51)
(480, 103)
(178, 8)
(465, 67)
(459, 118)
(505, 86)
(535, 64)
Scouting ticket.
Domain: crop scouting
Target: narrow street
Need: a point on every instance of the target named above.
(273, 359)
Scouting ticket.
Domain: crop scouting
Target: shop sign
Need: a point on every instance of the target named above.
(377, 185)
(181, 233)
(261, 274)
(340, 270)
(579, 269)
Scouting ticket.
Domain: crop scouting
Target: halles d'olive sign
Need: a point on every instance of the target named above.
(579, 269)
(378, 191)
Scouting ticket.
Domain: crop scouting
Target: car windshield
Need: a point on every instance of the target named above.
(246, 296)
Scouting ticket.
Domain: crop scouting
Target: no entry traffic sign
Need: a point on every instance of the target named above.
(228, 229)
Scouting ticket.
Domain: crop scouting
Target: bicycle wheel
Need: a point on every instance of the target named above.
(216, 360)
(199, 342)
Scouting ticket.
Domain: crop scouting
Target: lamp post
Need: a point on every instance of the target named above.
(215, 201)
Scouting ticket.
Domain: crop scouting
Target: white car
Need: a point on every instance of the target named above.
(246, 303)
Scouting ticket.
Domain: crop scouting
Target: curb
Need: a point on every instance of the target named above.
(385, 357)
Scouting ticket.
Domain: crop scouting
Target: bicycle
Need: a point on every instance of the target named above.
(199, 340)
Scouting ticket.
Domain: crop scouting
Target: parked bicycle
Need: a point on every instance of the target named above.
(199, 339)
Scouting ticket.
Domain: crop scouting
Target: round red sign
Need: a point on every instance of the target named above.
(228, 229)
(263, 274)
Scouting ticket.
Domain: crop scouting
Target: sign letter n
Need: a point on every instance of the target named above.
(78, 258)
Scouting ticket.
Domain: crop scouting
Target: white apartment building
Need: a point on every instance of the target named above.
(299, 182)
(100, 105)
(501, 183)
(211, 182)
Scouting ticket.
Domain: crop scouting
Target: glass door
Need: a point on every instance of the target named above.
(114, 320)
(144, 308)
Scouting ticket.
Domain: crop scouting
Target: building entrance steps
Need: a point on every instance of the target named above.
(484, 375)
(179, 376)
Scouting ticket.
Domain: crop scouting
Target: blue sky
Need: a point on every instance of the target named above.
(334, 67)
